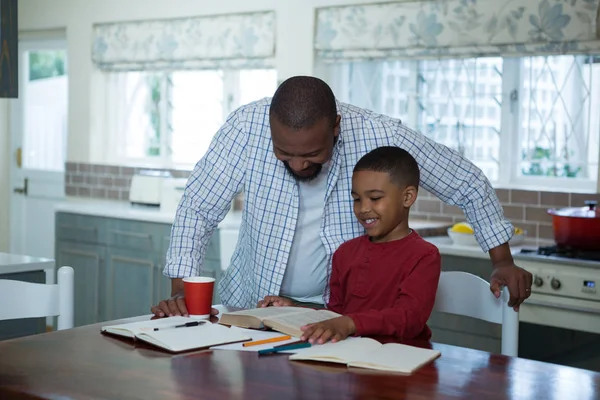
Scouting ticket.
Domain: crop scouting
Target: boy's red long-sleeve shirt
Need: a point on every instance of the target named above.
(386, 288)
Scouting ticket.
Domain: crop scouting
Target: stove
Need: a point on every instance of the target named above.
(560, 321)
(564, 252)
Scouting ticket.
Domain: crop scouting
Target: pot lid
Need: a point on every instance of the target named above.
(590, 210)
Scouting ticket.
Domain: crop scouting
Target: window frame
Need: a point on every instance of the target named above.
(110, 84)
(510, 125)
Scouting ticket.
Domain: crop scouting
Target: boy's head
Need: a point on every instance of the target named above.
(384, 187)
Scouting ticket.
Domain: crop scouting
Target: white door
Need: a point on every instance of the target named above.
(38, 146)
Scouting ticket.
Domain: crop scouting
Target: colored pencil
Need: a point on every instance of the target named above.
(265, 341)
(284, 348)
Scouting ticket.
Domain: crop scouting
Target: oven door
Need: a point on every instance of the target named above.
(560, 330)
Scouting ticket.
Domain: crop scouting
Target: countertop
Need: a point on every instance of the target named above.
(446, 247)
(13, 263)
(124, 210)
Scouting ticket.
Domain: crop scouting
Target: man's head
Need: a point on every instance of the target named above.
(304, 125)
(384, 187)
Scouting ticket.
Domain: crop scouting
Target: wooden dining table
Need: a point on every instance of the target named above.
(82, 363)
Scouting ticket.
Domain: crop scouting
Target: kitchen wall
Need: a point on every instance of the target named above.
(295, 28)
(526, 209)
(4, 175)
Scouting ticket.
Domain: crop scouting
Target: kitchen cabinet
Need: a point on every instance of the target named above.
(89, 265)
(118, 264)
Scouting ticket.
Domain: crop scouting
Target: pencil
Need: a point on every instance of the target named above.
(265, 341)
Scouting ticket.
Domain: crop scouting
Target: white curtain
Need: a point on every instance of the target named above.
(457, 28)
(208, 42)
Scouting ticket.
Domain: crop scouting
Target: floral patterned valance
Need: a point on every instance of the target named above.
(223, 41)
(457, 28)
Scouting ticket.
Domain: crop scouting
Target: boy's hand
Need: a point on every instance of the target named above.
(335, 329)
(274, 301)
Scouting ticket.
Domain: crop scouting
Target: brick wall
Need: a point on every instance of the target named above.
(526, 209)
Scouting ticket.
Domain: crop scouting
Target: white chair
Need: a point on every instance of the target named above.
(35, 300)
(466, 294)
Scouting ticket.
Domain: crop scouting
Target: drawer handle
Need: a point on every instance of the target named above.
(132, 234)
(81, 228)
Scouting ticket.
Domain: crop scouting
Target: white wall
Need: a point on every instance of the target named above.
(4, 177)
(295, 31)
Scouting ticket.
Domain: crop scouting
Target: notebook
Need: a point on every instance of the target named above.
(370, 354)
(287, 320)
(176, 340)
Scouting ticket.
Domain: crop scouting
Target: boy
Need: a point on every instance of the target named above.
(384, 283)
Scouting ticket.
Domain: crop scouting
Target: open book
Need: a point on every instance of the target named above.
(287, 320)
(177, 339)
(368, 353)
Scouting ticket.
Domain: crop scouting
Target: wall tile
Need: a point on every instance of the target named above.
(524, 197)
(579, 199)
(516, 212)
(429, 206)
(555, 199)
(538, 214)
(503, 195)
(451, 210)
(545, 231)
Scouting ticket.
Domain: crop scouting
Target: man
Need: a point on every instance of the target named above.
(293, 157)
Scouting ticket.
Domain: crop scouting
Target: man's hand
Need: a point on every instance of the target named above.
(175, 306)
(274, 301)
(335, 329)
(516, 279)
(506, 273)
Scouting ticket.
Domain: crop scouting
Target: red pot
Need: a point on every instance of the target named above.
(577, 227)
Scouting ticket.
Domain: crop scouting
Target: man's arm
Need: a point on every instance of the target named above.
(411, 310)
(457, 181)
(216, 179)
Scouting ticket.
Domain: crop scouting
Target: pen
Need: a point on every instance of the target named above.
(187, 324)
(288, 344)
(265, 341)
(284, 348)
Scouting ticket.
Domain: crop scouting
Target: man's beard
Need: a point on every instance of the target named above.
(307, 178)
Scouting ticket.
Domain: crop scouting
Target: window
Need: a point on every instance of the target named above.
(168, 119)
(530, 121)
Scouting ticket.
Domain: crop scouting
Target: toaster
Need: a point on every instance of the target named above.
(146, 187)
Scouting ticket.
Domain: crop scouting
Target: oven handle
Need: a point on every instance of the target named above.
(567, 307)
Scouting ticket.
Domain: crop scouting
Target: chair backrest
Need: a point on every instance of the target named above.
(466, 294)
(34, 300)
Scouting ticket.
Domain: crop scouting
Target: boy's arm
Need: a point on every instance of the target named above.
(336, 289)
(407, 318)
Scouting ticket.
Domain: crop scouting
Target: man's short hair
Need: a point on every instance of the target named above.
(302, 101)
(398, 163)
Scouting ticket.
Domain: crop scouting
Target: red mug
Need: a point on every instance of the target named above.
(198, 292)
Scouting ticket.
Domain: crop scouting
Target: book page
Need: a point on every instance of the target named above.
(346, 351)
(298, 320)
(134, 328)
(194, 337)
(269, 312)
(396, 357)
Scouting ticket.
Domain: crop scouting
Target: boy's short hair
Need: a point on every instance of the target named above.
(398, 163)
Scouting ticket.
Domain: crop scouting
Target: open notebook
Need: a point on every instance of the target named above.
(177, 339)
(287, 320)
(368, 353)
